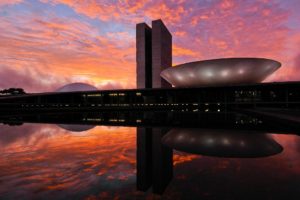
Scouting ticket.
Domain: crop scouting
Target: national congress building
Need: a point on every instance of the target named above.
(205, 86)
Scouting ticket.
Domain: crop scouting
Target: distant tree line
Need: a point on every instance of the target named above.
(12, 91)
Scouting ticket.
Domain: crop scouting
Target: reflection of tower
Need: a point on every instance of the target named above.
(153, 54)
(144, 158)
(162, 161)
(154, 160)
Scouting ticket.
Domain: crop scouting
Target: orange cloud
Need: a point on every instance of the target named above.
(180, 33)
(9, 2)
(65, 50)
(227, 4)
(185, 52)
(129, 12)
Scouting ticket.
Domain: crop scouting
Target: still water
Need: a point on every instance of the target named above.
(59, 161)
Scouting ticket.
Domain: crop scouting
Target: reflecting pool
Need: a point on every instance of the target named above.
(58, 159)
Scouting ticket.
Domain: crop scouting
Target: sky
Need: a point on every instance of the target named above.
(45, 44)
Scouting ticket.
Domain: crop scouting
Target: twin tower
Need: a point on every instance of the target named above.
(153, 54)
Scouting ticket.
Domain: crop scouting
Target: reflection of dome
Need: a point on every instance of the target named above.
(222, 143)
(223, 71)
(73, 87)
(75, 127)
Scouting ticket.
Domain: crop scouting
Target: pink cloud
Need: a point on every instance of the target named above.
(30, 80)
(238, 29)
(64, 50)
(127, 11)
(9, 2)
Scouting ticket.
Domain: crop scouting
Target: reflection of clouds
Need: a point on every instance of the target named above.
(182, 157)
(103, 160)
(25, 134)
(291, 153)
(297, 144)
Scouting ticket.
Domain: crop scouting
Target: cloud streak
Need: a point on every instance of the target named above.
(65, 49)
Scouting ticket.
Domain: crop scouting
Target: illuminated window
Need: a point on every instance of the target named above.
(94, 95)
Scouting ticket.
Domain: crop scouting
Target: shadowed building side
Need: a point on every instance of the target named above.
(161, 53)
(143, 56)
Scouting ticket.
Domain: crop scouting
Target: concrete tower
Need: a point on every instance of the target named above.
(161, 53)
(153, 54)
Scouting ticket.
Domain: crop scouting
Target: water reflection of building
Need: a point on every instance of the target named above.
(85, 120)
(155, 155)
(222, 143)
(155, 141)
(154, 160)
(76, 127)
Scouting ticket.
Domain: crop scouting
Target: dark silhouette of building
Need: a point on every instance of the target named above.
(153, 54)
(202, 99)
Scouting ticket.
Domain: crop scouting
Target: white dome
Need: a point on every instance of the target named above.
(74, 87)
(223, 71)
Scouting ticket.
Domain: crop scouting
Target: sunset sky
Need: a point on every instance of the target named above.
(45, 44)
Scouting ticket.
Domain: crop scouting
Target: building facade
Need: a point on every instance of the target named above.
(153, 54)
